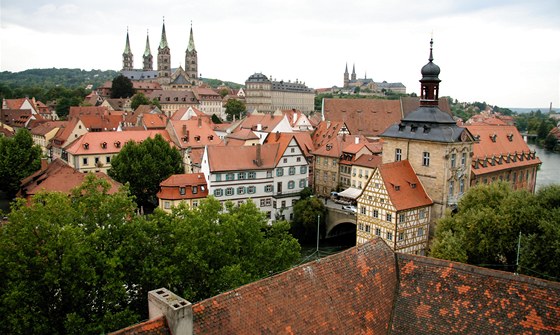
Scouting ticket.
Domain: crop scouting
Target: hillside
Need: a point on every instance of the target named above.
(71, 78)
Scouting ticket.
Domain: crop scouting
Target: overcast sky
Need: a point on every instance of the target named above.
(506, 53)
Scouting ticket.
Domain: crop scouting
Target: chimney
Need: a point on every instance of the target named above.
(277, 135)
(184, 129)
(258, 160)
(199, 122)
(357, 140)
(259, 127)
(176, 310)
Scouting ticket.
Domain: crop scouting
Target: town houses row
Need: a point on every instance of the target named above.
(403, 162)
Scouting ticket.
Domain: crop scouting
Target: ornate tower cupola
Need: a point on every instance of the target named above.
(191, 59)
(148, 58)
(164, 57)
(127, 55)
(429, 94)
(346, 76)
(354, 72)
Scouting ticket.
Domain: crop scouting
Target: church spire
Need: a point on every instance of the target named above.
(163, 42)
(429, 94)
(164, 58)
(346, 70)
(148, 58)
(127, 54)
(346, 76)
(353, 71)
(191, 59)
(191, 41)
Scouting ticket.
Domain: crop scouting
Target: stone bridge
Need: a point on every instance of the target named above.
(338, 221)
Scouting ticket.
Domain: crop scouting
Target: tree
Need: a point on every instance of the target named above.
(216, 119)
(144, 166)
(485, 230)
(19, 158)
(141, 99)
(122, 87)
(550, 142)
(306, 213)
(234, 108)
(543, 130)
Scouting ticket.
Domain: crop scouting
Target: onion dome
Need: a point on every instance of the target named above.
(430, 71)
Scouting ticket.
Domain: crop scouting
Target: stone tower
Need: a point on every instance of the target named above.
(191, 59)
(438, 150)
(346, 78)
(127, 55)
(354, 72)
(164, 59)
(148, 58)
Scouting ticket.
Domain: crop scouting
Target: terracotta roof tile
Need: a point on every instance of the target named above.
(325, 131)
(302, 138)
(194, 133)
(267, 121)
(370, 161)
(154, 121)
(169, 188)
(111, 142)
(157, 326)
(369, 117)
(495, 141)
(243, 134)
(236, 158)
(403, 186)
(46, 127)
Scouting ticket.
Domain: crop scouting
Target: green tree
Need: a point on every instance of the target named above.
(234, 108)
(306, 213)
(122, 87)
(144, 166)
(139, 99)
(550, 142)
(216, 119)
(486, 228)
(19, 158)
(543, 130)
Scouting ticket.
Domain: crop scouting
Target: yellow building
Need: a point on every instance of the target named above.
(188, 188)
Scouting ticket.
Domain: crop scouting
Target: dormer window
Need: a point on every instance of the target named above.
(210, 137)
(493, 137)
(397, 188)
(104, 145)
(510, 137)
(86, 146)
(182, 190)
(197, 138)
(117, 144)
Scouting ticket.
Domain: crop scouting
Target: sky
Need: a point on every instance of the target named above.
(503, 52)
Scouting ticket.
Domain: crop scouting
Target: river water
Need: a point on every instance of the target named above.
(549, 172)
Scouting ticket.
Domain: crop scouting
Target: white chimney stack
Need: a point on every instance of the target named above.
(177, 311)
(357, 140)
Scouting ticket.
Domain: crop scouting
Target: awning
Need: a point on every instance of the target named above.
(351, 192)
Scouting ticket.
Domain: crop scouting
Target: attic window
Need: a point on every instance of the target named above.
(185, 138)
(426, 129)
(117, 144)
(197, 138)
(210, 137)
(86, 146)
(397, 188)
(401, 126)
(493, 137)
(413, 185)
(329, 147)
(510, 137)
(413, 128)
(104, 145)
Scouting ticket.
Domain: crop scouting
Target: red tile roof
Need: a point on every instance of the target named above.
(243, 134)
(370, 161)
(369, 117)
(14, 103)
(169, 188)
(194, 133)
(180, 113)
(499, 143)
(157, 326)
(154, 121)
(43, 128)
(236, 158)
(267, 121)
(403, 187)
(303, 139)
(15, 117)
(76, 111)
(325, 131)
(58, 177)
(111, 142)
(103, 122)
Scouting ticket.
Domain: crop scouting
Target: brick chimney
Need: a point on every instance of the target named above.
(277, 135)
(357, 140)
(177, 311)
(184, 129)
(258, 160)
(199, 122)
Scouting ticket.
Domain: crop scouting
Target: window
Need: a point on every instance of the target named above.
(292, 170)
(464, 159)
(285, 160)
(279, 172)
(375, 213)
(401, 236)
(251, 189)
(96, 160)
(378, 231)
(398, 154)
(167, 205)
(303, 169)
(182, 190)
(241, 190)
(292, 150)
(422, 214)
(252, 175)
(283, 204)
(389, 217)
(268, 174)
(363, 209)
(451, 187)
(241, 175)
(318, 160)
(291, 184)
(461, 186)
(268, 188)
(453, 159)
(195, 189)
(401, 218)
(218, 177)
(325, 176)
(218, 192)
(229, 191)
(367, 228)
(302, 183)
(195, 203)
(298, 159)
(361, 226)
(426, 158)
(108, 159)
(85, 161)
(230, 176)
(389, 236)
(420, 231)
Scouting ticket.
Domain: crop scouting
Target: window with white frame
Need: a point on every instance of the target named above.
(368, 228)
(230, 176)
(303, 169)
(218, 192)
(268, 188)
(398, 154)
(389, 236)
(229, 191)
(279, 172)
(241, 175)
(464, 159)
(291, 184)
(251, 189)
(378, 231)
(453, 160)
(426, 158)
(167, 204)
(389, 217)
(241, 190)
(363, 209)
(302, 183)
(252, 175)
(420, 231)
(375, 213)
(401, 218)
(292, 170)
(218, 177)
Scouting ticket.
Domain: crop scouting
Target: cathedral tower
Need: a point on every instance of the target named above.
(164, 58)
(191, 59)
(346, 79)
(148, 58)
(127, 55)
(354, 72)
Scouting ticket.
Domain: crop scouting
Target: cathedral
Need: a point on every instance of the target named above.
(367, 85)
(166, 76)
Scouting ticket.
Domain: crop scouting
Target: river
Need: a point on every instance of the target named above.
(549, 172)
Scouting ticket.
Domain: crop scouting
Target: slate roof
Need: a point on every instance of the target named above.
(369, 117)
(403, 187)
(410, 104)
